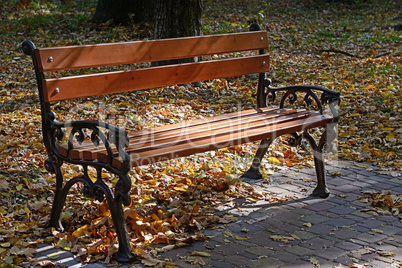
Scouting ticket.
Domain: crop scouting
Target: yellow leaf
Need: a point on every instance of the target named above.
(386, 253)
(377, 231)
(360, 165)
(240, 238)
(335, 173)
(27, 211)
(281, 238)
(200, 253)
(3, 211)
(314, 261)
(368, 87)
(273, 160)
(53, 256)
(181, 189)
(5, 245)
(291, 175)
(81, 231)
(19, 186)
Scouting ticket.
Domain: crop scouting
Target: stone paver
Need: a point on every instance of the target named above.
(333, 232)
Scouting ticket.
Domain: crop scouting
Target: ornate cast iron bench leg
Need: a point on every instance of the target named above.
(267, 95)
(58, 201)
(254, 172)
(99, 190)
(321, 189)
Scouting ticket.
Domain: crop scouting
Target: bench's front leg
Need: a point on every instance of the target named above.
(59, 198)
(115, 203)
(254, 172)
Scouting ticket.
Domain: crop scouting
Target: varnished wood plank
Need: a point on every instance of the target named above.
(169, 129)
(114, 82)
(86, 56)
(159, 152)
(206, 120)
(191, 134)
(203, 145)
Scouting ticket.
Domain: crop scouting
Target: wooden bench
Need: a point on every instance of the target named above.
(106, 147)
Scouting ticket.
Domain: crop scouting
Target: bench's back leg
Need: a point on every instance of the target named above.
(254, 172)
(321, 189)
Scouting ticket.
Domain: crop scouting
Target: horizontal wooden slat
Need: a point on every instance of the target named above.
(86, 56)
(115, 82)
(188, 137)
(206, 120)
(202, 145)
(170, 129)
(176, 140)
(188, 134)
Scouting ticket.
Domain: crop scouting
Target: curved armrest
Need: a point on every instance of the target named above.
(114, 135)
(328, 97)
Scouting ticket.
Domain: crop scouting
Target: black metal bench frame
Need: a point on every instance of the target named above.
(118, 161)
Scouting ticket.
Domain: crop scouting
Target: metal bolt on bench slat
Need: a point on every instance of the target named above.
(50, 59)
(56, 90)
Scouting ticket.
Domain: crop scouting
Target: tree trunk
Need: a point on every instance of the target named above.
(177, 18)
(121, 11)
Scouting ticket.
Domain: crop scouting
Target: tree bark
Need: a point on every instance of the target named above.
(177, 18)
(120, 11)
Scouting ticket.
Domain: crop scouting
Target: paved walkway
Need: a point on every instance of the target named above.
(301, 232)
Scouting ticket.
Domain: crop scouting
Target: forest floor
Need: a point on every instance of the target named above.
(352, 48)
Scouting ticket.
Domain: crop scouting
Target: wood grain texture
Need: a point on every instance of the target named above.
(183, 139)
(57, 89)
(86, 56)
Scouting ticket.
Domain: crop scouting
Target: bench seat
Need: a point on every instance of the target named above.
(200, 135)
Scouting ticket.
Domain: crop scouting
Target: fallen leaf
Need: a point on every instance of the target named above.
(314, 261)
(150, 261)
(195, 260)
(291, 175)
(386, 253)
(44, 263)
(282, 238)
(377, 231)
(336, 173)
(53, 256)
(273, 160)
(200, 253)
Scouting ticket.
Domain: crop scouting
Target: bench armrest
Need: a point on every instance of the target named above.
(82, 130)
(289, 94)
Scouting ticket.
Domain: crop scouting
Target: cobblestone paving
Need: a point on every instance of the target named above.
(301, 232)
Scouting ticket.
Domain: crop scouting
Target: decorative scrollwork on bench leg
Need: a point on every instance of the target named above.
(58, 201)
(254, 172)
(124, 254)
(98, 190)
(321, 189)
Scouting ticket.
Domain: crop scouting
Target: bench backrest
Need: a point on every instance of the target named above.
(89, 56)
